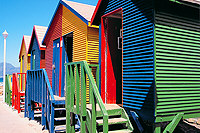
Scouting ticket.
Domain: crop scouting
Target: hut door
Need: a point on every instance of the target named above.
(56, 66)
(112, 58)
(67, 55)
(33, 60)
(23, 64)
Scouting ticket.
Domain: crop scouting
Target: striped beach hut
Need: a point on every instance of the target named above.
(36, 49)
(70, 37)
(24, 57)
(149, 58)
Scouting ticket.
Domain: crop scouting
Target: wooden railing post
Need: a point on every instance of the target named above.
(83, 99)
(67, 100)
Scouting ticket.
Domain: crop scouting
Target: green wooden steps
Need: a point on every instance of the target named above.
(118, 121)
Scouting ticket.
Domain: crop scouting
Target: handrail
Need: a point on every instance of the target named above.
(74, 72)
(39, 90)
(8, 90)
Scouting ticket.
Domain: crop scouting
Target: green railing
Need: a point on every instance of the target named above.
(8, 90)
(80, 80)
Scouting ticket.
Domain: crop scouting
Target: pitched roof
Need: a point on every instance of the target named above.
(193, 1)
(39, 32)
(83, 9)
(96, 20)
(26, 39)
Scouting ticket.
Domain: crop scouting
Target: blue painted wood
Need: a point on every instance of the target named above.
(39, 90)
(138, 59)
(100, 59)
(37, 54)
(56, 62)
(52, 119)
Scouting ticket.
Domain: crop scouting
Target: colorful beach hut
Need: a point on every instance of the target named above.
(37, 49)
(70, 37)
(149, 58)
(24, 57)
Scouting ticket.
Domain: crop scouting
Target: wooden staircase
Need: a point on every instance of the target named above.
(95, 116)
(118, 121)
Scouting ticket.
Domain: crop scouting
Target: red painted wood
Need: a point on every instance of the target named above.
(112, 60)
(42, 63)
(103, 46)
(16, 92)
(95, 11)
(54, 32)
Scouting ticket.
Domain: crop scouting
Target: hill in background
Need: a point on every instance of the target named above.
(9, 69)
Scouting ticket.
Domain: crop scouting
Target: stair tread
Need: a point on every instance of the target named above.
(57, 98)
(59, 109)
(120, 131)
(107, 106)
(60, 128)
(60, 118)
(113, 120)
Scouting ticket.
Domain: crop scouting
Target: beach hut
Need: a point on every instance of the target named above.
(70, 37)
(24, 57)
(149, 58)
(37, 49)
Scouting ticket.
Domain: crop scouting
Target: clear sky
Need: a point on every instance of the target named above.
(18, 18)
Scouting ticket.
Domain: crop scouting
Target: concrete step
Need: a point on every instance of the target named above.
(112, 121)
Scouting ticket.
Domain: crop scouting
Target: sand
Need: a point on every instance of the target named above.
(12, 122)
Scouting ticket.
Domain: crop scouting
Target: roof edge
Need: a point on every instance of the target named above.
(95, 11)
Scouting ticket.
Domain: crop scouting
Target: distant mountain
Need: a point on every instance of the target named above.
(9, 69)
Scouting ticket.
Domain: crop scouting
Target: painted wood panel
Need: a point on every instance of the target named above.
(23, 53)
(71, 23)
(177, 65)
(54, 32)
(138, 61)
(37, 53)
(93, 45)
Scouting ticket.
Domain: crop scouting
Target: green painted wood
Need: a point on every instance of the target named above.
(177, 67)
(82, 70)
(8, 90)
(172, 125)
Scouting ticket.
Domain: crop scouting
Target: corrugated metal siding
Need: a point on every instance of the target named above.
(93, 46)
(138, 66)
(177, 65)
(37, 53)
(54, 32)
(71, 23)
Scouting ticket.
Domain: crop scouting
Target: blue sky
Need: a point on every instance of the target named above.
(18, 18)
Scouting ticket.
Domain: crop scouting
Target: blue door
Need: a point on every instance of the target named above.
(56, 61)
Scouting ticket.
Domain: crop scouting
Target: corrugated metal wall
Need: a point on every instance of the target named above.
(71, 23)
(93, 45)
(35, 48)
(54, 32)
(138, 66)
(177, 65)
